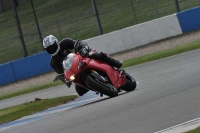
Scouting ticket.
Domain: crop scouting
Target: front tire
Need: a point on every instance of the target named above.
(93, 84)
(80, 90)
(130, 83)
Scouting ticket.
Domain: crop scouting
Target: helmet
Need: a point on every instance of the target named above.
(50, 44)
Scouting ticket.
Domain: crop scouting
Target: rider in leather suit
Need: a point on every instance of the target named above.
(59, 50)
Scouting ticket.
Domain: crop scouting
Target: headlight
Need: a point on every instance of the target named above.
(72, 77)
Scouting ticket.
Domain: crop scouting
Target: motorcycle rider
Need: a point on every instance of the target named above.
(59, 50)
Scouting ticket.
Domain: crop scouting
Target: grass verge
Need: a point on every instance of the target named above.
(194, 131)
(162, 54)
(28, 108)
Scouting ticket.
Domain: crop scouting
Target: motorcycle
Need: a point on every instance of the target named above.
(96, 76)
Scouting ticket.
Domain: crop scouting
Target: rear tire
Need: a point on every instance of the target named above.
(130, 83)
(95, 85)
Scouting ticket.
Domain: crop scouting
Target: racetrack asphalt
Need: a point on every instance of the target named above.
(53, 92)
(167, 95)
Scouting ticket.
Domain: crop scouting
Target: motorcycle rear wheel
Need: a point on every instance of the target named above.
(92, 83)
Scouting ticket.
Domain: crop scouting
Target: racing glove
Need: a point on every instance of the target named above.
(83, 49)
(68, 83)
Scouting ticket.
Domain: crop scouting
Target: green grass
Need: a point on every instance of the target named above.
(28, 108)
(197, 130)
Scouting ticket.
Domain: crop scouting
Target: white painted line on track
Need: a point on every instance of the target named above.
(183, 127)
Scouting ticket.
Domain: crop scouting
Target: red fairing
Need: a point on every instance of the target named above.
(112, 74)
(80, 64)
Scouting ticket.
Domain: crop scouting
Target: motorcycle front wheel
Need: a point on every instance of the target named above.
(94, 85)
(130, 83)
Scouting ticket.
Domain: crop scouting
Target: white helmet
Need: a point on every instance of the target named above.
(50, 44)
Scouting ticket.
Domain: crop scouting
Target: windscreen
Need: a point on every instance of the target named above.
(67, 63)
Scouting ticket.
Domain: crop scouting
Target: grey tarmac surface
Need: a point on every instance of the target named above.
(167, 95)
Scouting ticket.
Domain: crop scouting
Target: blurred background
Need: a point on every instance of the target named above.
(24, 23)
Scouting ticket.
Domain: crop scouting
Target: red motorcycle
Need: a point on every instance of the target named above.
(96, 76)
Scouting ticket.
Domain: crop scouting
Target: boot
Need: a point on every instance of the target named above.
(113, 62)
(105, 58)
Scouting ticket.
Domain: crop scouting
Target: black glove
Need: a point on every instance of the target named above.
(83, 49)
(68, 83)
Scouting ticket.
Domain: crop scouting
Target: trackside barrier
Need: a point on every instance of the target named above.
(31, 66)
(137, 35)
(25, 68)
(7, 75)
(111, 43)
(189, 20)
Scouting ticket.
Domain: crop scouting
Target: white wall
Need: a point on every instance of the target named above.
(137, 35)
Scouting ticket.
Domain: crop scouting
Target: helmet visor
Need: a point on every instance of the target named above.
(52, 48)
